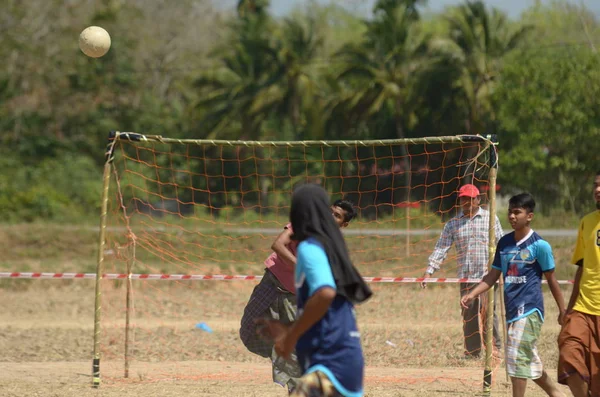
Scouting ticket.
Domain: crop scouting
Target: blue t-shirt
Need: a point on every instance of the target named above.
(522, 263)
(332, 345)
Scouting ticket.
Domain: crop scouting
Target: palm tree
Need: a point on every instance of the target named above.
(261, 74)
(479, 41)
(247, 8)
(410, 6)
(290, 92)
(231, 96)
(380, 73)
(229, 93)
(378, 84)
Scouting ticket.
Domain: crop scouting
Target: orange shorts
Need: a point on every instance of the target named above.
(579, 347)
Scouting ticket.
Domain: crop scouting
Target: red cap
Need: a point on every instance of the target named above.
(468, 190)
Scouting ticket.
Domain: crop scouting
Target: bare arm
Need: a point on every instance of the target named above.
(439, 253)
(556, 293)
(314, 310)
(575, 293)
(441, 249)
(577, 259)
(486, 283)
(316, 307)
(280, 247)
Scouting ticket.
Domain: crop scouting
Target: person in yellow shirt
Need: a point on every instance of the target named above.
(579, 339)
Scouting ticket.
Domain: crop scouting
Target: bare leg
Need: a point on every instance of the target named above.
(549, 386)
(578, 386)
(519, 385)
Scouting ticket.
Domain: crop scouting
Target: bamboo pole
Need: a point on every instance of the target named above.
(99, 271)
(133, 136)
(128, 307)
(487, 373)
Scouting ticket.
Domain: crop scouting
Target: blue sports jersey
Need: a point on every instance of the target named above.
(332, 345)
(522, 263)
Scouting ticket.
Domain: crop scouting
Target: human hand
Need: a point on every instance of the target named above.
(466, 300)
(565, 316)
(285, 344)
(562, 314)
(423, 283)
(270, 329)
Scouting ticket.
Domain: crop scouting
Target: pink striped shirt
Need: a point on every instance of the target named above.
(280, 269)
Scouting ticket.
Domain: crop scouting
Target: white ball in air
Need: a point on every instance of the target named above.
(94, 41)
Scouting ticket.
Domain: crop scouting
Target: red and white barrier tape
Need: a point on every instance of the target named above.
(221, 277)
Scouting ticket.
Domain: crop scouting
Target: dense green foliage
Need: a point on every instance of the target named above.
(184, 69)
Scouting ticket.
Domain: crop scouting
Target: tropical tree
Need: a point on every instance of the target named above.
(228, 94)
(252, 8)
(380, 74)
(411, 6)
(479, 41)
(232, 99)
(377, 87)
(289, 94)
(550, 121)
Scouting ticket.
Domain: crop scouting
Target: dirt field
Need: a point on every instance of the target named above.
(221, 379)
(412, 338)
(412, 342)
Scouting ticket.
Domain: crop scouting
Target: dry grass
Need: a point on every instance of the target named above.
(412, 334)
(57, 248)
(412, 338)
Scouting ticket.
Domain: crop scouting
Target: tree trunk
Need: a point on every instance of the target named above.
(261, 168)
(294, 107)
(404, 152)
(471, 129)
(407, 175)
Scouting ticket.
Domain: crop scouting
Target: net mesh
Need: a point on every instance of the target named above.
(202, 208)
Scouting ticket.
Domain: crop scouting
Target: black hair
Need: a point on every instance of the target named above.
(310, 215)
(523, 200)
(348, 207)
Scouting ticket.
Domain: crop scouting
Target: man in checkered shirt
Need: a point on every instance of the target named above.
(469, 232)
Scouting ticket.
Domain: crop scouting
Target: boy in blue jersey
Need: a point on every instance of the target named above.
(325, 334)
(522, 257)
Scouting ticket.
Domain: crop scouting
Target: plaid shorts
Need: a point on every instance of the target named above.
(315, 384)
(522, 358)
(270, 300)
